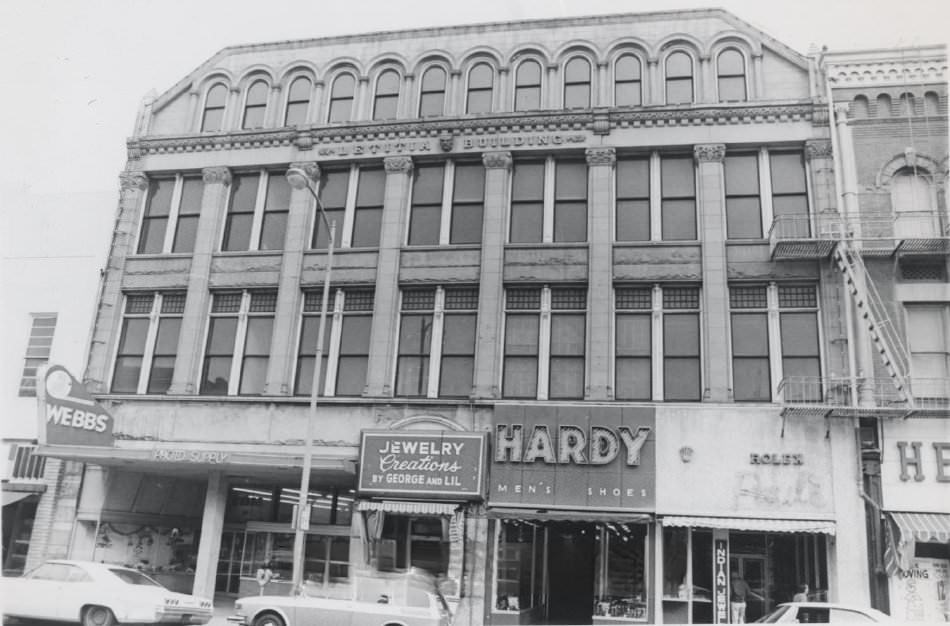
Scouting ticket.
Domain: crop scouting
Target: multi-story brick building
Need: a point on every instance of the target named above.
(578, 335)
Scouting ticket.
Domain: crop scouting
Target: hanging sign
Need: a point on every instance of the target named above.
(68, 413)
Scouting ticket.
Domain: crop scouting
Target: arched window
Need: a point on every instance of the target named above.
(912, 202)
(907, 104)
(213, 115)
(731, 71)
(883, 105)
(577, 84)
(528, 86)
(255, 105)
(341, 98)
(298, 102)
(481, 80)
(387, 96)
(859, 108)
(679, 78)
(432, 96)
(627, 77)
(931, 103)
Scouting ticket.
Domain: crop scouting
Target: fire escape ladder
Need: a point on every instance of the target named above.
(874, 316)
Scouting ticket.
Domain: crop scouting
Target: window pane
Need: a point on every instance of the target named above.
(679, 65)
(568, 336)
(221, 335)
(479, 102)
(634, 335)
(481, 76)
(259, 331)
(366, 225)
(529, 73)
(567, 378)
(412, 376)
(126, 376)
(153, 235)
(427, 184)
(679, 91)
(681, 379)
(433, 79)
(237, 235)
(628, 94)
(731, 63)
(521, 334)
(633, 178)
(788, 173)
(528, 181)
(792, 205)
(526, 222)
(415, 334)
(570, 221)
(743, 218)
(424, 225)
(681, 335)
(570, 181)
(273, 231)
(253, 116)
(576, 96)
(751, 380)
(354, 338)
(466, 224)
(278, 193)
(469, 182)
(577, 70)
(679, 220)
(160, 197)
(351, 375)
(133, 336)
(456, 376)
(521, 377)
(527, 98)
(431, 104)
(296, 113)
(634, 379)
(801, 367)
(628, 68)
(160, 378)
(388, 83)
(216, 376)
(677, 178)
(340, 110)
(458, 335)
(633, 220)
(372, 183)
(166, 340)
(750, 334)
(742, 175)
(253, 375)
(212, 120)
(385, 108)
(799, 334)
(333, 189)
(732, 89)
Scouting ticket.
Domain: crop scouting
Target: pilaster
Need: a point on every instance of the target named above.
(382, 344)
(600, 166)
(214, 203)
(501, 96)
(821, 173)
(712, 229)
(491, 276)
(281, 365)
(212, 527)
(132, 189)
(654, 91)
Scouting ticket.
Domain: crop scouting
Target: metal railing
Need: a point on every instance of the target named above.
(881, 232)
(880, 393)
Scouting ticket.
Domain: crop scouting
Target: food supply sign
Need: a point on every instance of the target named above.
(429, 464)
(68, 413)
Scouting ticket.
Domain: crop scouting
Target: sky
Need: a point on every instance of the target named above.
(80, 68)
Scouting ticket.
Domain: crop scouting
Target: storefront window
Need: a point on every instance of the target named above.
(268, 503)
(622, 590)
(421, 542)
(516, 571)
(326, 557)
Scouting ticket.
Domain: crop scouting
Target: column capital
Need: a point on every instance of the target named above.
(398, 164)
(841, 111)
(276, 87)
(601, 156)
(131, 181)
(709, 152)
(220, 175)
(818, 149)
(311, 168)
(455, 72)
(408, 76)
(503, 69)
(496, 160)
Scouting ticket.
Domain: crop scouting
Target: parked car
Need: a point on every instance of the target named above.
(368, 599)
(98, 594)
(822, 613)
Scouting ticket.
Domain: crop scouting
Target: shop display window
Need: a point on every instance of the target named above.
(687, 575)
(268, 503)
(621, 585)
(407, 541)
(148, 548)
(326, 556)
(517, 573)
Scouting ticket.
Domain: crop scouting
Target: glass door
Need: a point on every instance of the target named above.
(228, 579)
(753, 570)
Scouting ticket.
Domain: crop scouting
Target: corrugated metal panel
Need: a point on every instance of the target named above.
(752, 524)
(411, 508)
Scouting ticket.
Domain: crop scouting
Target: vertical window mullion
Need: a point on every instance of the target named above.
(349, 214)
(656, 198)
(435, 344)
(240, 336)
(335, 304)
(258, 216)
(448, 188)
(765, 191)
(658, 356)
(544, 344)
(153, 320)
(547, 233)
(173, 215)
(775, 340)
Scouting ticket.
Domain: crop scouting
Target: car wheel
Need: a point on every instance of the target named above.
(98, 616)
(268, 619)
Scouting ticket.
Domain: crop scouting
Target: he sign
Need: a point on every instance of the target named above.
(68, 413)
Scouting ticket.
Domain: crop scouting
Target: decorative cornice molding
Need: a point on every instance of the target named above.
(496, 160)
(133, 181)
(220, 175)
(601, 156)
(311, 168)
(398, 164)
(709, 152)
(911, 72)
(818, 149)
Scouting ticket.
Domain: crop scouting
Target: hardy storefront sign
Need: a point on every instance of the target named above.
(572, 457)
(68, 413)
(442, 464)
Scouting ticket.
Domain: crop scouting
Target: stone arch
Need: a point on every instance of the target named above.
(926, 165)
(418, 422)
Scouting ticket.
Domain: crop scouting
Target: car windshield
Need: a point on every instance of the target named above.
(132, 577)
(774, 616)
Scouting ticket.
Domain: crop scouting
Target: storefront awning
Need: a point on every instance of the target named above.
(566, 515)
(753, 524)
(411, 508)
(11, 497)
(925, 527)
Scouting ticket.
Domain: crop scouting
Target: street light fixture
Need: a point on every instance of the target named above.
(298, 178)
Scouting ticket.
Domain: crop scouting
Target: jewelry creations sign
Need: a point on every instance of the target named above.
(424, 464)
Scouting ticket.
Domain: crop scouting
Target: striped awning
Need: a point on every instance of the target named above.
(924, 527)
(752, 524)
(411, 508)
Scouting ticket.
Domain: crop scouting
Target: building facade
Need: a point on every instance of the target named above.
(580, 326)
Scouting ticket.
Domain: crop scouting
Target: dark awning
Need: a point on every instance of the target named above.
(567, 515)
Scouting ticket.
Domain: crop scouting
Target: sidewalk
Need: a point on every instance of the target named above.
(223, 606)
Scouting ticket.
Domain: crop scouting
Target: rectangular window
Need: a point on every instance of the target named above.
(353, 357)
(468, 203)
(568, 343)
(929, 349)
(334, 190)
(239, 342)
(518, 575)
(148, 343)
(522, 346)
(307, 351)
(570, 201)
(457, 368)
(634, 343)
(633, 199)
(743, 207)
(257, 214)
(426, 214)
(415, 342)
(189, 210)
(158, 204)
(682, 378)
(790, 192)
(461, 211)
(38, 349)
(368, 213)
(678, 203)
(527, 202)
(750, 344)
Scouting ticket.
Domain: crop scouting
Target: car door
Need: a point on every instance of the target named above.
(75, 590)
(37, 594)
(847, 616)
(322, 612)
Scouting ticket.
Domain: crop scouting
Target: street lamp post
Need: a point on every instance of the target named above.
(300, 179)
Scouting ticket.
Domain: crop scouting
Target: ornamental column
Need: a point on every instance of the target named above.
(232, 110)
(382, 342)
(653, 89)
(600, 167)
(491, 290)
(501, 94)
(454, 100)
(603, 94)
(315, 114)
(132, 188)
(712, 234)
(758, 81)
(214, 204)
(212, 528)
(273, 112)
(194, 117)
(281, 365)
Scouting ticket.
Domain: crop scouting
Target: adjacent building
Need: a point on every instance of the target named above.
(598, 331)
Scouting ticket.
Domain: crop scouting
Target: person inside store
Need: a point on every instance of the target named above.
(739, 592)
(802, 595)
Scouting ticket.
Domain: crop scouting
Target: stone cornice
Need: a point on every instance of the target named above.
(911, 71)
(501, 123)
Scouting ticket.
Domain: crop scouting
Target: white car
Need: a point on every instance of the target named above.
(822, 613)
(98, 594)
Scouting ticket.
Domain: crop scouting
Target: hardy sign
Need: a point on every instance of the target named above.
(68, 413)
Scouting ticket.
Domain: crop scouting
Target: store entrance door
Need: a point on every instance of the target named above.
(752, 569)
(570, 554)
(228, 579)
